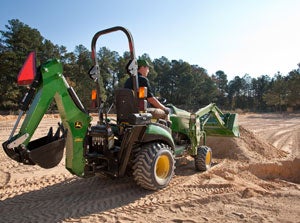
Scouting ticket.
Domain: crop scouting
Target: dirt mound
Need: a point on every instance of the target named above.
(248, 147)
(285, 170)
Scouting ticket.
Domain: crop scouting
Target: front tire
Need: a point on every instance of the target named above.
(154, 166)
(203, 158)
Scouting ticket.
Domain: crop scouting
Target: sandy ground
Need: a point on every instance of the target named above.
(254, 178)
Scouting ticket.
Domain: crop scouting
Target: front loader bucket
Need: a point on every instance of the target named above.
(47, 151)
(232, 125)
(230, 128)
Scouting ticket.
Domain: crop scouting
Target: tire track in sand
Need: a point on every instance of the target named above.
(65, 198)
(72, 198)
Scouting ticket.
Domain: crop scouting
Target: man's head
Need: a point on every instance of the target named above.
(143, 63)
(143, 67)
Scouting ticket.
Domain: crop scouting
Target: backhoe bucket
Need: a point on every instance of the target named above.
(230, 128)
(47, 151)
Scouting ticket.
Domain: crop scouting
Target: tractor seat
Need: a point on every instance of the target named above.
(126, 104)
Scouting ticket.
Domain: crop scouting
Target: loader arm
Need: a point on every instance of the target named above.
(209, 120)
(217, 123)
(49, 85)
(210, 109)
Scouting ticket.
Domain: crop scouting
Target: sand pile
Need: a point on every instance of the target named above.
(248, 147)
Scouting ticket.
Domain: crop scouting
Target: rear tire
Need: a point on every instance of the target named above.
(154, 166)
(203, 158)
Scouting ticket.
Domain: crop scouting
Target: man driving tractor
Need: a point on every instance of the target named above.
(159, 110)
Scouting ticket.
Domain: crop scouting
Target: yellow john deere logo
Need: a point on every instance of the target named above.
(78, 125)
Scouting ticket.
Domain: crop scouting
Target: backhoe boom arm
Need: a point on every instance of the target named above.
(51, 86)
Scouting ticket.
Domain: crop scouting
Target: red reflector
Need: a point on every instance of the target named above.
(27, 73)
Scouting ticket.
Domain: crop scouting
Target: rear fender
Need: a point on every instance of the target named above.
(158, 132)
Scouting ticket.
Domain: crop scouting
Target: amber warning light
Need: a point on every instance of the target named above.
(142, 92)
(27, 73)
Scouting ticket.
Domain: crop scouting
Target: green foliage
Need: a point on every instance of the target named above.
(182, 84)
(259, 87)
(278, 93)
(293, 91)
(221, 82)
(16, 43)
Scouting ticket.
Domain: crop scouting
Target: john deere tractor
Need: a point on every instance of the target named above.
(134, 144)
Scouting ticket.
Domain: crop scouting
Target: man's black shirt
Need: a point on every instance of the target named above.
(143, 82)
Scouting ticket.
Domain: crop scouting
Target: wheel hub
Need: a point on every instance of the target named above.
(162, 166)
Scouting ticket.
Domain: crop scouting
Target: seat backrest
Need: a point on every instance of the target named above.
(126, 104)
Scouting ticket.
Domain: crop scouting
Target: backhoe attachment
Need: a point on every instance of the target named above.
(47, 151)
(47, 83)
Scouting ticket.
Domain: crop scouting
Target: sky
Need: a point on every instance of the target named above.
(255, 37)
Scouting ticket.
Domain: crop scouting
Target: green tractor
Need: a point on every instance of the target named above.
(134, 143)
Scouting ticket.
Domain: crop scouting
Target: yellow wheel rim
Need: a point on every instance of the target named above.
(163, 166)
(208, 158)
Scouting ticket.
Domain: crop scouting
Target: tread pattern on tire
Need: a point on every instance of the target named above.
(200, 158)
(143, 168)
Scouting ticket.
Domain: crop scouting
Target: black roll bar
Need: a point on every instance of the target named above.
(131, 50)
